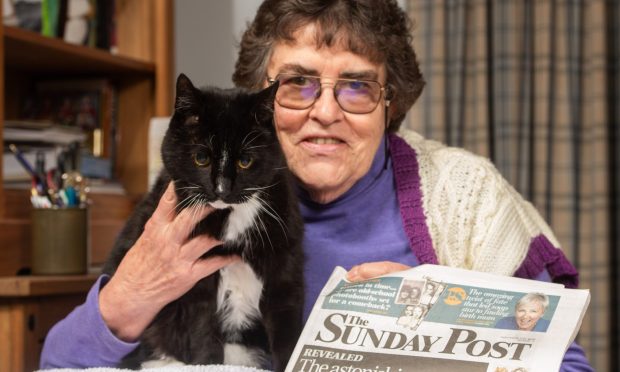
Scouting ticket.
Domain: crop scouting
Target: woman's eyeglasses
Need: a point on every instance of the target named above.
(299, 92)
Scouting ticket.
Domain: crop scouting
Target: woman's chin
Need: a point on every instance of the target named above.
(324, 192)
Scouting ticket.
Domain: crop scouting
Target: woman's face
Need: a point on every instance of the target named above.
(527, 314)
(327, 148)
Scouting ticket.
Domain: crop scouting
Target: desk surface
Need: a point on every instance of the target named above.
(45, 285)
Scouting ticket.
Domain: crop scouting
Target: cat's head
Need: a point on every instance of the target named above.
(221, 147)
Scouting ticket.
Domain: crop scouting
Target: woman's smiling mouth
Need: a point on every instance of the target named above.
(324, 141)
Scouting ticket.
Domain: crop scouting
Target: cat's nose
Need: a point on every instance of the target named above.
(222, 186)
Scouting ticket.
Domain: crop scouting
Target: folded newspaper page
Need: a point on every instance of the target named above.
(436, 318)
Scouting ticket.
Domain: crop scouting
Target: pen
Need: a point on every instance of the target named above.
(22, 160)
(39, 169)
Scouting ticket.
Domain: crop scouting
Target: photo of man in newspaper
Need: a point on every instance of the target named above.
(528, 316)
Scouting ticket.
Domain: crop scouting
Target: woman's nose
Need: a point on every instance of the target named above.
(326, 109)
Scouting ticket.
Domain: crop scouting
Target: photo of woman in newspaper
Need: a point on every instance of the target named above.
(528, 316)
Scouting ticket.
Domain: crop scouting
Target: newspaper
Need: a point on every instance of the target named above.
(436, 318)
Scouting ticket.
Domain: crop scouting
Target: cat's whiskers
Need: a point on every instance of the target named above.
(260, 188)
(265, 207)
(178, 207)
(185, 202)
(197, 207)
(193, 204)
(260, 220)
(256, 230)
(188, 187)
(254, 147)
(195, 210)
(245, 145)
(199, 145)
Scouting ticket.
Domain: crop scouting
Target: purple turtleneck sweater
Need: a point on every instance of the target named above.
(363, 225)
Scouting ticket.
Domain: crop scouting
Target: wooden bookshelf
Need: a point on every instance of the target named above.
(141, 71)
(23, 51)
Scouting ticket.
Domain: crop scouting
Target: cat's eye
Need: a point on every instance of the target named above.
(245, 162)
(201, 159)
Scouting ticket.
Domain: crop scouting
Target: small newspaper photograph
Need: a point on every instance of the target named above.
(436, 318)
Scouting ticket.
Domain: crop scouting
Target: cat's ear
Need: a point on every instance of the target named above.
(264, 103)
(269, 94)
(187, 96)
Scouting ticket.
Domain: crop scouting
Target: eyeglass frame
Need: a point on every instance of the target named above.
(384, 92)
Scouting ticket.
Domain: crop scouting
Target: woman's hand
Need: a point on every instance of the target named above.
(160, 267)
(373, 269)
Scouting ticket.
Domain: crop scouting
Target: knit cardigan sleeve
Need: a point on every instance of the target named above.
(475, 219)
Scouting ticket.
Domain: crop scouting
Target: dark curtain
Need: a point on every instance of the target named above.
(534, 86)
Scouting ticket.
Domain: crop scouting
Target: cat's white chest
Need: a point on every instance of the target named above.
(238, 296)
(238, 304)
(241, 218)
(238, 301)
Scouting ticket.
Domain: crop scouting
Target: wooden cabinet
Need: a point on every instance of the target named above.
(29, 307)
(142, 73)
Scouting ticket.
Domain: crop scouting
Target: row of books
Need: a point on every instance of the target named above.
(57, 113)
(82, 22)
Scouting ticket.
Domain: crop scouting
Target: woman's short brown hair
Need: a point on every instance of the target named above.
(376, 29)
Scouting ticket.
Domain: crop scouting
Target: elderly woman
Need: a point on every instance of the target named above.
(529, 311)
(375, 199)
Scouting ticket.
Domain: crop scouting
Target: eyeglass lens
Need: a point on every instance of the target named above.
(354, 96)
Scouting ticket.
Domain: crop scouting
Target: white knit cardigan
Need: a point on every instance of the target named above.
(476, 220)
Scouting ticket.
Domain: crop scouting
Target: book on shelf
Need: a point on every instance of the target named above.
(87, 104)
(45, 132)
(57, 113)
(24, 14)
(82, 22)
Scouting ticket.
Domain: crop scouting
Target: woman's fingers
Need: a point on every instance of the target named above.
(205, 267)
(164, 213)
(166, 226)
(186, 221)
(198, 246)
(373, 269)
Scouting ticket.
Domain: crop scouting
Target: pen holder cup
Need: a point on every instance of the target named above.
(59, 241)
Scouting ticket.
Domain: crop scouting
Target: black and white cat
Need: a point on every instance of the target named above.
(221, 149)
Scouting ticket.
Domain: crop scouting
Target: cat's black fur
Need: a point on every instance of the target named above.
(240, 124)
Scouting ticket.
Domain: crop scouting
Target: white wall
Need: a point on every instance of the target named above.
(207, 34)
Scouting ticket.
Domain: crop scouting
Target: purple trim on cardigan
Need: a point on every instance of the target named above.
(409, 192)
(543, 255)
